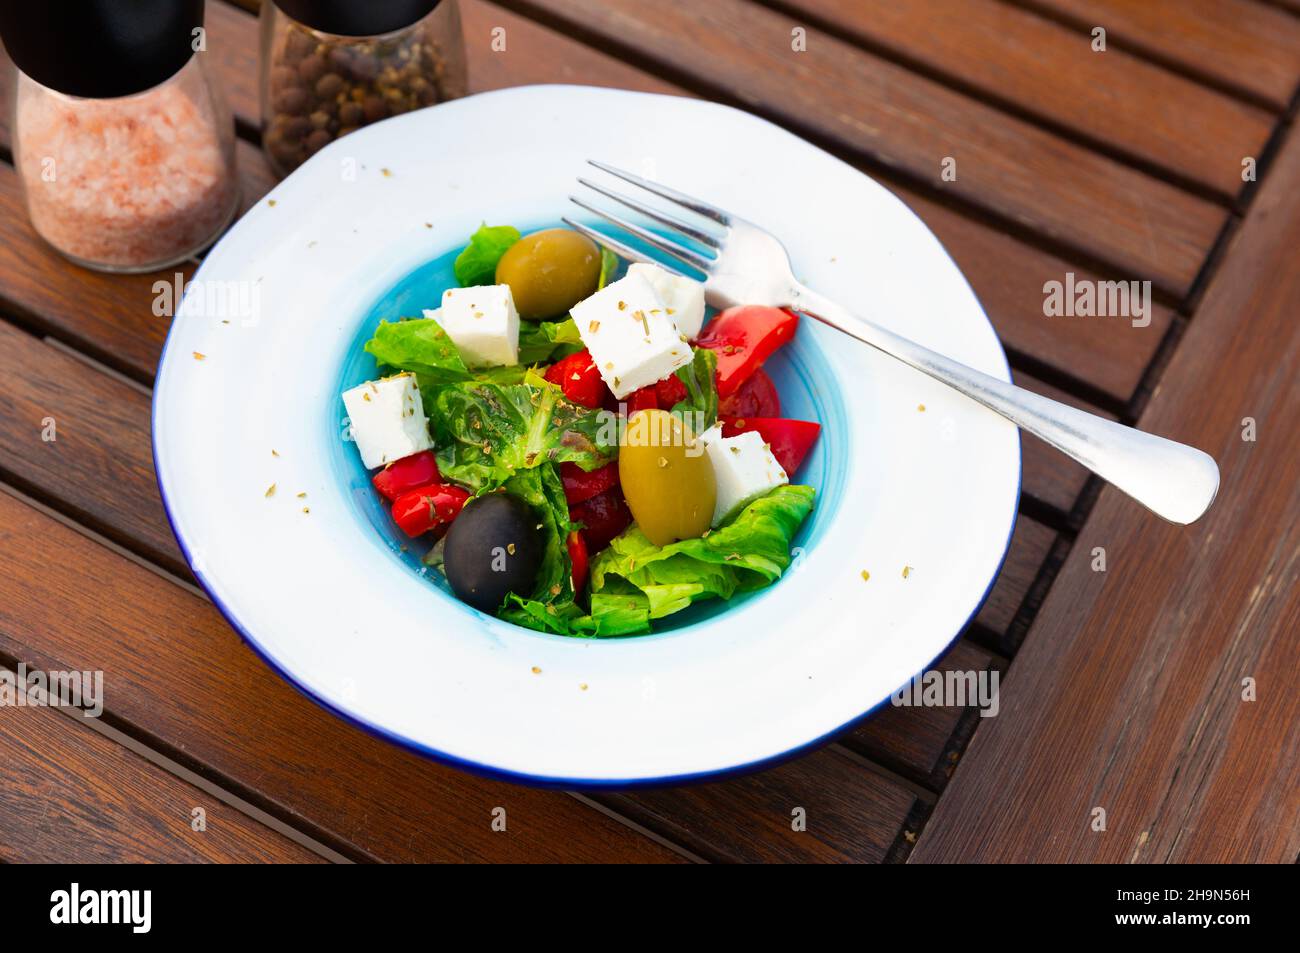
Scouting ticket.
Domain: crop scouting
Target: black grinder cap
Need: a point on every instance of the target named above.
(354, 18)
(100, 48)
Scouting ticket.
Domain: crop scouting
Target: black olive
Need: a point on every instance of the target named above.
(493, 548)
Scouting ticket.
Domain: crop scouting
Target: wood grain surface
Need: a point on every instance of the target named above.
(79, 439)
(71, 794)
(1241, 44)
(851, 814)
(1034, 540)
(110, 317)
(1130, 694)
(1115, 100)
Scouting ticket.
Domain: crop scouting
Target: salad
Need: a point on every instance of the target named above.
(585, 450)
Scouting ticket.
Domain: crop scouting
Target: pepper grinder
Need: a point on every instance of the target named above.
(329, 67)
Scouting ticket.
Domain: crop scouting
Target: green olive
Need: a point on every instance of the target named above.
(549, 272)
(666, 476)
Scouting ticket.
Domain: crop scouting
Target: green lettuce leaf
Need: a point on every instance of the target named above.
(419, 345)
(608, 266)
(699, 409)
(610, 615)
(750, 552)
(547, 341)
(542, 489)
(634, 581)
(485, 431)
(477, 264)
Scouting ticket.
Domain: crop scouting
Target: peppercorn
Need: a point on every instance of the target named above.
(321, 87)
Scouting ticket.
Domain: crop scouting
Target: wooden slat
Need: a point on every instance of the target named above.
(1241, 44)
(71, 795)
(99, 464)
(534, 54)
(1128, 693)
(920, 743)
(1008, 276)
(1051, 72)
(852, 814)
(255, 175)
(869, 106)
(1030, 544)
(109, 316)
(175, 670)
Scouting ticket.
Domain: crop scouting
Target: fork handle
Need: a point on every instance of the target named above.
(1171, 479)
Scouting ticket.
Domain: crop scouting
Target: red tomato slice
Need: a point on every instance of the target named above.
(579, 378)
(603, 517)
(790, 440)
(580, 484)
(743, 338)
(757, 397)
(420, 510)
(670, 391)
(577, 547)
(419, 469)
(643, 399)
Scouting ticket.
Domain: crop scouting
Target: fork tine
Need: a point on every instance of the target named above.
(617, 247)
(684, 255)
(697, 206)
(663, 218)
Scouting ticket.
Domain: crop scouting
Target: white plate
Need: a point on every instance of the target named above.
(332, 603)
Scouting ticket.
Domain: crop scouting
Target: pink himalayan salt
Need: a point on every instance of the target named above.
(137, 181)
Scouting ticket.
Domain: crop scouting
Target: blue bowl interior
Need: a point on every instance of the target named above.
(802, 375)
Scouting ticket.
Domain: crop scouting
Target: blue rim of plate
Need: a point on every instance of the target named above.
(546, 781)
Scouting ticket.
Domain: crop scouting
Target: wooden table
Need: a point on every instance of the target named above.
(1122, 689)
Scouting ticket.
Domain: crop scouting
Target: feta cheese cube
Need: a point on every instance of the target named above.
(388, 420)
(630, 335)
(482, 322)
(683, 298)
(743, 468)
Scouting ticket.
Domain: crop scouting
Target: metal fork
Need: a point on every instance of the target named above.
(750, 266)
